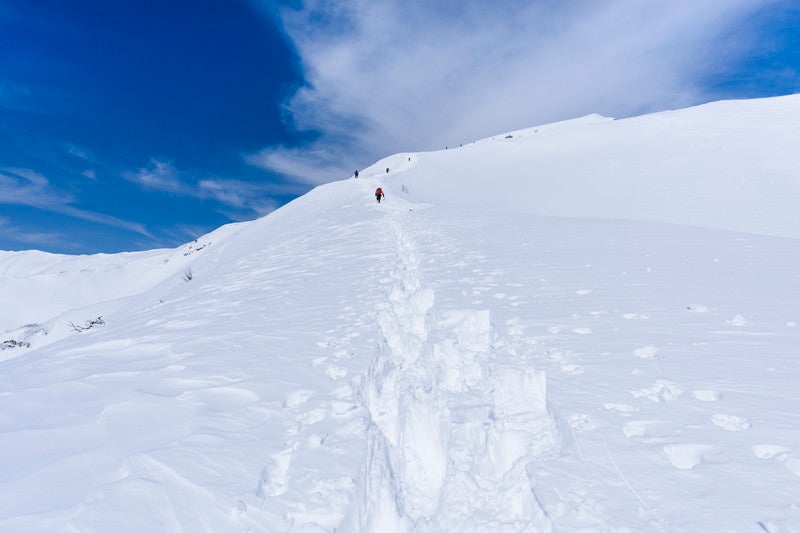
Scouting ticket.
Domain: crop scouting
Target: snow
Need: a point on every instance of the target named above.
(588, 326)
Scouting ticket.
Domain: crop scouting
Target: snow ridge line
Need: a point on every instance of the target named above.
(449, 438)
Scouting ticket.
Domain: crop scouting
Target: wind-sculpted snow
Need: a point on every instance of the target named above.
(444, 361)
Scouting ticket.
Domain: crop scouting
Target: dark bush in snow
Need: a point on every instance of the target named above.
(11, 343)
(195, 247)
(88, 325)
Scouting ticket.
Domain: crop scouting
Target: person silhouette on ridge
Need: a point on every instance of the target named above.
(379, 194)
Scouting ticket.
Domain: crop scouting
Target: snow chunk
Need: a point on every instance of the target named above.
(524, 425)
(771, 452)
(621, 408)
(705, 395)
(686, 456)
(737, 321)
(298, 397)
(636, 428)
(635, 316)
(661, 391)
(731, 422)
(646, 352)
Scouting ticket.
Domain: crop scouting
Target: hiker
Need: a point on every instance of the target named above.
(356, 174)
(387, 170)
(379, 194)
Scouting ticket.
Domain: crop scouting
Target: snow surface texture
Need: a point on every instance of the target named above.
(453, 359)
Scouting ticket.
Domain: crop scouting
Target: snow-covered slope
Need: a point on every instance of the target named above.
(552, 331)
(730, 165)
(48, 293)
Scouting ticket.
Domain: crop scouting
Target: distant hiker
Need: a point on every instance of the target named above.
(379, 194)
(387, 170)
(356, 174)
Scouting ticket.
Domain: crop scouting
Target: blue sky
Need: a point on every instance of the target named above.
(130, 125)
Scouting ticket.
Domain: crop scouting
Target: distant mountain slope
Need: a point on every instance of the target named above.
(728, 165)
(40, 287)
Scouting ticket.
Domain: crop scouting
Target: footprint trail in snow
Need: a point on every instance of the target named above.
(450, 436)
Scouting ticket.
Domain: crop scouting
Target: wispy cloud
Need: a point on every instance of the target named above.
(247, 198)
(77, 151)
(16, 234)
(238, 194)
(159, 176)
(108, 220)
(22, 186)
(81, 161)
(387, 76)
(311, 166)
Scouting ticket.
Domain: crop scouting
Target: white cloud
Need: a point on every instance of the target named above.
(22, 186)
(159, 176)
(240, 199)
(310, 166)
(101, 218)
(237, 194)
(33, 238)
(388, 76)
(77, 151)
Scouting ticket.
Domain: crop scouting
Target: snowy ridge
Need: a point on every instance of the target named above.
(703, 166)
